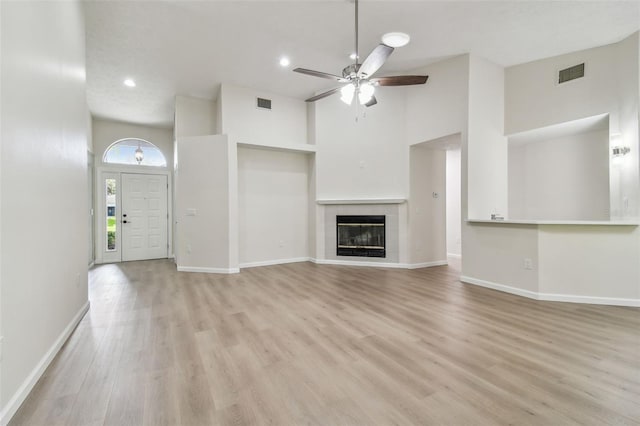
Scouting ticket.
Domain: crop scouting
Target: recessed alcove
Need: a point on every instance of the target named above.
(561, 172)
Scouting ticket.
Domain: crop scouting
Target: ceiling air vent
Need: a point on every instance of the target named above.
(264, 103)
(571, 73)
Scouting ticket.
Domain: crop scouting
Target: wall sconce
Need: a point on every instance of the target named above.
(619, 151)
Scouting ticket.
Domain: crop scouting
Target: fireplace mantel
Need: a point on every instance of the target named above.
(362, 201)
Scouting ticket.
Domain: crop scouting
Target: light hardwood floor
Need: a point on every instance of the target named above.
(332, 345)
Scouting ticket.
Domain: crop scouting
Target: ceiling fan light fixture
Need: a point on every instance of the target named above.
(396, 39)
(365, 93)
(346, 93)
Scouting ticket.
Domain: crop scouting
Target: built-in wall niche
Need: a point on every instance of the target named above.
(273, 205)
(561, 172)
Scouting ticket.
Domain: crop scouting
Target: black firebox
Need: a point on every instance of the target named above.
(360, 236)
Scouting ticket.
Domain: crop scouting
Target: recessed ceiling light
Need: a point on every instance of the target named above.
(396, 39)
(284, 61)
(353, 56)
(129, 83)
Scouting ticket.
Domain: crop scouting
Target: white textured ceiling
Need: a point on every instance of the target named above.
(190, 48)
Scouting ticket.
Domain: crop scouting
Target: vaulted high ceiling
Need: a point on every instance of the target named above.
(190, 48)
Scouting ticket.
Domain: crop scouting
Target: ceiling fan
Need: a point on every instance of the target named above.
(357, 77)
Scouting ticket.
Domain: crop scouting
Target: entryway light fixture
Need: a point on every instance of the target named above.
(396, 39)
(139, 155)
(619, 151)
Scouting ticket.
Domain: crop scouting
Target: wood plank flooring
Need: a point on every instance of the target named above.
(334, 345)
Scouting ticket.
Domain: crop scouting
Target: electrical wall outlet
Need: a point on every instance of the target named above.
(188, 248)
(528, 263)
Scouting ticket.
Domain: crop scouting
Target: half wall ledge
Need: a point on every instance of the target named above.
(634, 222)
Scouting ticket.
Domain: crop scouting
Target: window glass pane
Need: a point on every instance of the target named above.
(124, 152)
(110, 186)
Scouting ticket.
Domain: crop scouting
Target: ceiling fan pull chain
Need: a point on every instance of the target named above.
(357, 53)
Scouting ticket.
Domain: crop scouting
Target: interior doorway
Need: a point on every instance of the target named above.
(453, 202)
(435, 202)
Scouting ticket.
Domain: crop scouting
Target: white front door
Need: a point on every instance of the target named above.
(144, 216)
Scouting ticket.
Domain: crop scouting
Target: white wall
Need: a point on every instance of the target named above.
(284, 124)
(427, 214)
(604, 261)
(218, 110)
(453, 207)
(44, 188)
(438, 110)
(273, 198)
(440, 107)
(573, 263)
(206, 218)
(366, 158)
(106, 132)
(487, 146)
(194, 117)
(495, 254)
(560, 179)
(534, 99)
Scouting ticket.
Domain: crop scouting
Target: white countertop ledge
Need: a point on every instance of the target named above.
(363, 201)
(557, 222)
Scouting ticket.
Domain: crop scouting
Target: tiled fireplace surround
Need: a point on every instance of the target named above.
(393, 232)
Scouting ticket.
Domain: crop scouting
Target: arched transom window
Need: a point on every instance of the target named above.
(134, 151)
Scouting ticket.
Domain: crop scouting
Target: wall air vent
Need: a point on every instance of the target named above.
(571, 73)
(264, 103)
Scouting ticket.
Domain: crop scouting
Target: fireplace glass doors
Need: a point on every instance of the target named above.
(361, 236)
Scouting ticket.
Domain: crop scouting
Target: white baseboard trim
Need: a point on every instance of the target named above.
(378, 264)
(273, 262)
(455, 256)
(551, 297)
(501, 287)
(208, 270)
(357, 263)
(590, 300)
(23, 391)
(426, 264)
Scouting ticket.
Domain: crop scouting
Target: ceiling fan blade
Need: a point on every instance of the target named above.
(321, 74)
(400, 80)
(323, 94)
(375, 60)
(371, 102)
